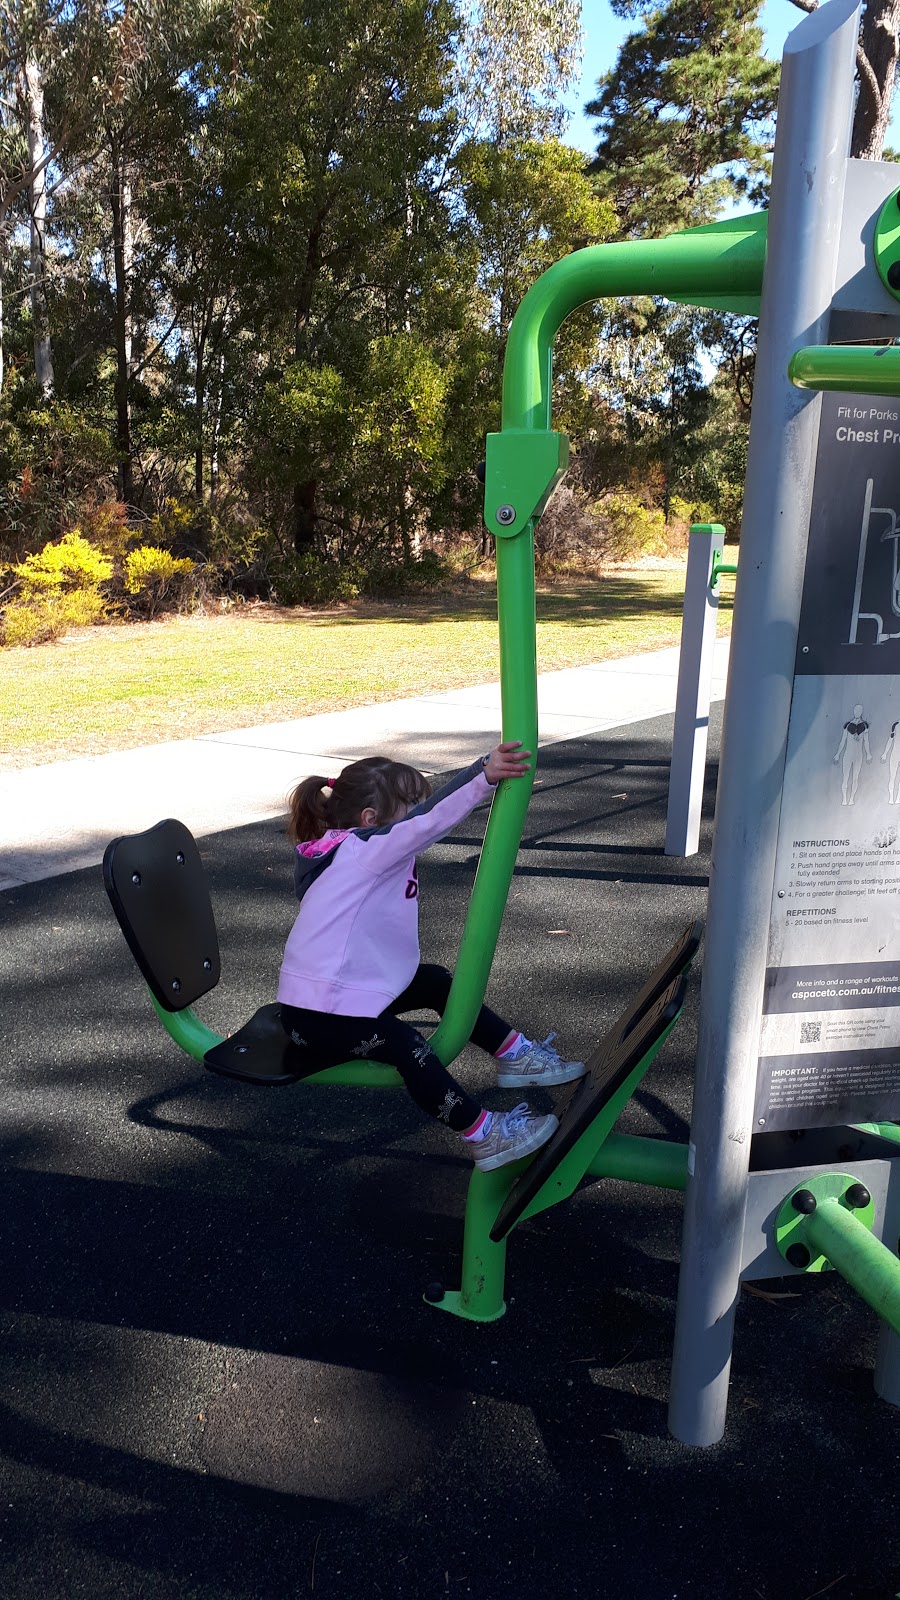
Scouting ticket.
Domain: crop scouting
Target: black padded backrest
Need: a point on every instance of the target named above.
(157, 888)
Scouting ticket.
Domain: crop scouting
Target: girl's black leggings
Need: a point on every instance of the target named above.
(330, 1039)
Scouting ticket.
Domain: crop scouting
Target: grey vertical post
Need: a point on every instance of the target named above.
(695, 669)
(814, 117)
(887, 1365)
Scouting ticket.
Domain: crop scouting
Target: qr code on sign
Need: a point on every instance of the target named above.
(810, 1032)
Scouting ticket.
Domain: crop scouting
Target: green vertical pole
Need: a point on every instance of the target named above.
(480, 1298)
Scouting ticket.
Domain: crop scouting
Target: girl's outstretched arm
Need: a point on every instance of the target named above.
(379, 850)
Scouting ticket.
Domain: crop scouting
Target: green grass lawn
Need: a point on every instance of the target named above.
(117, 687)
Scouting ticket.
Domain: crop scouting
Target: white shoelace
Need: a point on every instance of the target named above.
(514, 1121)
(543, 1048)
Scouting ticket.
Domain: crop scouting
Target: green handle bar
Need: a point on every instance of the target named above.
(848, 368)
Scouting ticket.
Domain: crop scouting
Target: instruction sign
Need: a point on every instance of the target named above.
(830, 1041)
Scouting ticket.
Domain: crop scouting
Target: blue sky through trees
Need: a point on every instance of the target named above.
(604, 33)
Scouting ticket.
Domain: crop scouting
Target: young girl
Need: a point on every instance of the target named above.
(351, 963)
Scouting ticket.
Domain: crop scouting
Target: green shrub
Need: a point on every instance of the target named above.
(385, 579)
(311, 579)
(51, 458)
(154, 580)
(175, 525)
(56, 589)
(70, 564)
(49, 615)
(633, 528)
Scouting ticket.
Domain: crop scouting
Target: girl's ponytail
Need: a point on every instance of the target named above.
(388, 787)
(308, 810)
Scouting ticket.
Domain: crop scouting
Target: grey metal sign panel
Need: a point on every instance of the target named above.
(830, 1038)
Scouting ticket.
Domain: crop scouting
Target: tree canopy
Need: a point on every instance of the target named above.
(258, 262)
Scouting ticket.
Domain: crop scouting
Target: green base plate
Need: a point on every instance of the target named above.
(453, 1302)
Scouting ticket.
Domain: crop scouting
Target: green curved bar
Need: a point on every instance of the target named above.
(847, 368)
(726, 259)
(692, 265)
(194, 1037)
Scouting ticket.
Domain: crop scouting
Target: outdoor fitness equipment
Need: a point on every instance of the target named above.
(789, 1070)
(719, 265)
(157, 887)
(784, 1171)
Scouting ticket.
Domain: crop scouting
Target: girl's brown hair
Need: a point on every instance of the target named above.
(375, 781)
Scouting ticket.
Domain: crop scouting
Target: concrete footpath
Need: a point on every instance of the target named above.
(59, 818)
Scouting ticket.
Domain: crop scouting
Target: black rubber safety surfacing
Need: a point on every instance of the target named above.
(607, 1070)
(157, 888)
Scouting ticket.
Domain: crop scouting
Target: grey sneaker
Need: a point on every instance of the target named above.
(513, 1134)
(540, 1064)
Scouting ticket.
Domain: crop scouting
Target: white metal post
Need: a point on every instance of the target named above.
(695, 671)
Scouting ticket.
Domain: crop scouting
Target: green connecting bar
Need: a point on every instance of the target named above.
(722, 266)
(827, 1221)
(720, 568)
(659, 1163)
(847, 368)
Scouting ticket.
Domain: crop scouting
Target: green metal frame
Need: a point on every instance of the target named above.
(722, 569)
(658, 1162)
(838, 1233)
(719, 266)
(887, 244)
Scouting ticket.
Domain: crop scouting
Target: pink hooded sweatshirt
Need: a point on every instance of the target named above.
(355, 944)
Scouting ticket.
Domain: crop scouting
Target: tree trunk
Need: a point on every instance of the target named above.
(2, 324)
(120, 197)
(199, 405)
(305, 515)
(877, 61)
(33, 90)
(216, 425)
(305, 493)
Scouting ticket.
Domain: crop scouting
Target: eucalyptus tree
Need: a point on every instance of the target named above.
(343, 129)
(26, 56)
(515, 63)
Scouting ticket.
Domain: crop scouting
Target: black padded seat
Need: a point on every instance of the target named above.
(260, 1052)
